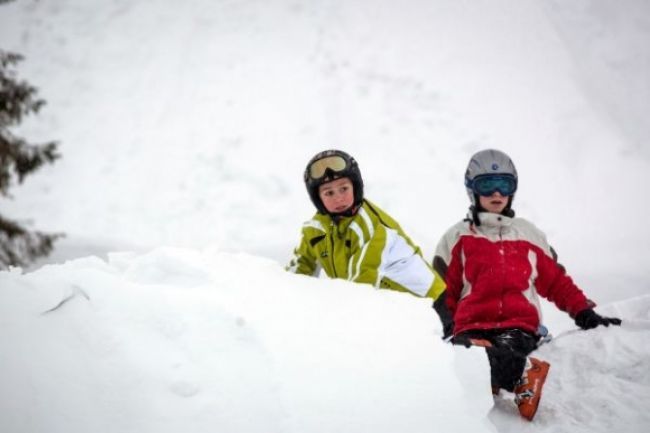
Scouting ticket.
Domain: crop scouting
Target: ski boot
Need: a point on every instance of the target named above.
(529, 390)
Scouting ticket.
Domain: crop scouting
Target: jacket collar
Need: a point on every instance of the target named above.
(338, 224)
(492, 223)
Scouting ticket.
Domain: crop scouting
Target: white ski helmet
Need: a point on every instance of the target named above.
(494, 165)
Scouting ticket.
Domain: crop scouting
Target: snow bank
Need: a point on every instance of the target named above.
(180, 340)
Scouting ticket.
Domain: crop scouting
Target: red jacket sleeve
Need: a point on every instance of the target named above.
(555, 285)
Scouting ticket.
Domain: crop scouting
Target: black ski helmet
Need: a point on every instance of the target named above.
(334, 164)
(488, 161)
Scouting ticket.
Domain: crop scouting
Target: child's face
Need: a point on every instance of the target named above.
(494, 203)
(337, 195)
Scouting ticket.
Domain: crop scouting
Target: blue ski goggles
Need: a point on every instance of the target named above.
(487, 184)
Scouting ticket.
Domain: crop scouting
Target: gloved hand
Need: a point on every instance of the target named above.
(461, 340)
(445, 316)
(588, 319)
(447, 330)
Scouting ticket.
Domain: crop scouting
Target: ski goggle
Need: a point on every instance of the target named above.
(488, 184)
(319, 168)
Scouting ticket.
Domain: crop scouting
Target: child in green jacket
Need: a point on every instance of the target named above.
(351, 238)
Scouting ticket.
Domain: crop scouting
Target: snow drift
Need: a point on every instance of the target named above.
(180, 340)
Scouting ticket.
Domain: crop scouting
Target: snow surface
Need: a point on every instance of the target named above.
(184, 341)
(185, 127)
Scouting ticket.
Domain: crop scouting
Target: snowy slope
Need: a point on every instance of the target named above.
(181, 340)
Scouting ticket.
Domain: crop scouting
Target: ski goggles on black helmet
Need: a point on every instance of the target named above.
(329, 165)
(487, 184)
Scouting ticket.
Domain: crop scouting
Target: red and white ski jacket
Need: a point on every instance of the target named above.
(494, 273)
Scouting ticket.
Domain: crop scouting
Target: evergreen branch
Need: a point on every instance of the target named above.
(21, 158)
(19, 247)
(18, 158)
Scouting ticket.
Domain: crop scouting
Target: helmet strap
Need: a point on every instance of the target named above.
(475, 209)
(508, 211)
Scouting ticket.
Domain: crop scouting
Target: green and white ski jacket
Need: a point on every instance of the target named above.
(369, 247)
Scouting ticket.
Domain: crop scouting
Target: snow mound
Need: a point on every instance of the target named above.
(181, 340)
(598, 379)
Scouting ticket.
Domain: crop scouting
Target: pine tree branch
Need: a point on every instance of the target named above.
(19, 247)
(18, 158)
(17, 98)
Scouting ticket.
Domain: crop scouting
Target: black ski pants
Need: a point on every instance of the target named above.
(508, 353)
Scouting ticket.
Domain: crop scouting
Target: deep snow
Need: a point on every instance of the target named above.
(179, 340)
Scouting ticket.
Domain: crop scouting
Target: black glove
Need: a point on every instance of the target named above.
(461, 340)
(588, 319)
(447, 330)
(446, 318)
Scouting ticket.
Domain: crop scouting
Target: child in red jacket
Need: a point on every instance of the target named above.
(494, 266)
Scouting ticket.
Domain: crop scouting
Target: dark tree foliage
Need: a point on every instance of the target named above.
(18, 159)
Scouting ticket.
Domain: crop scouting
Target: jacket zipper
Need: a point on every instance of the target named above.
(502, 261)
(334, 233)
